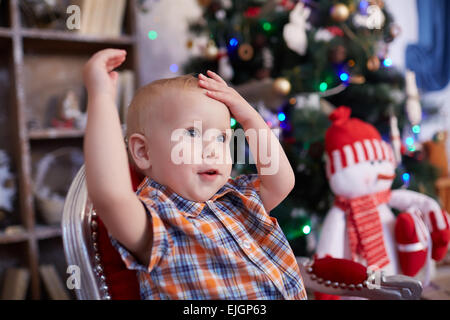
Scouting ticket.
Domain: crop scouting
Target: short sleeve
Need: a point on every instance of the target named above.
(249, 186)
(246, 183)
(159, 248)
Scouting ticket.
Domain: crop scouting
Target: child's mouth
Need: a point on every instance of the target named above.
(209, 175)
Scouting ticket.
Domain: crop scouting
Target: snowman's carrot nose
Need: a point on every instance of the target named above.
(385, 177)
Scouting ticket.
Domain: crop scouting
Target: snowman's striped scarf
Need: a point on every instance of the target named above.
(364, 228)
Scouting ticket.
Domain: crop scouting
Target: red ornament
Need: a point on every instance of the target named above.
(287, 4)
(252, 12)
(289, 140)
(335, 31)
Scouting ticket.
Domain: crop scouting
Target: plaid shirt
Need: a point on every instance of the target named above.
(225, 248)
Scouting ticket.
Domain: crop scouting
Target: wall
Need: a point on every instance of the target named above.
(169, 18)
(405, 14)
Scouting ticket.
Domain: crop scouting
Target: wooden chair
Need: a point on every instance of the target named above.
(103, 276)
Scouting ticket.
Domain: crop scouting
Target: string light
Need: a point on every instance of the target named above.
(306, 229)
(406, 177)
(387, 62)
(409, 141)
(174, 68)
(281, 116)
(344, 76)
(232, 122)
(323, 86)
(416, 129)
(152, 35)
(233, 42)
(267, 26)
(363, 5)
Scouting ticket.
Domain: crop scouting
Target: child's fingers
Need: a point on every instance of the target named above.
(223, 97)
(107, 54)
(216, 77)
(210, 84)
(113, 63)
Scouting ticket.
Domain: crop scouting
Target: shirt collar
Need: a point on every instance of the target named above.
(187, 207)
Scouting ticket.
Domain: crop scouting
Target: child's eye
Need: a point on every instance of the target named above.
(222, 138)
(192, 132)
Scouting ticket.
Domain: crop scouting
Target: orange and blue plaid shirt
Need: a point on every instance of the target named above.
(225, 248)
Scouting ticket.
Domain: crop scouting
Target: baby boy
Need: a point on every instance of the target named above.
(190, 231)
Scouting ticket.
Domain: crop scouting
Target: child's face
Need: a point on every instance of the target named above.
(190, 137)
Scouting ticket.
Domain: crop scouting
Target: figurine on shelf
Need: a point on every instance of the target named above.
(7, 188)
(48, 14)
(69, 112)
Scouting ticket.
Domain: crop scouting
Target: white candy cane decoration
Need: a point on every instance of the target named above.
(413, 108)
(395, 139)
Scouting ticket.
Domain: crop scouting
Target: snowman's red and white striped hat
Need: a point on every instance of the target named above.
(349, 141)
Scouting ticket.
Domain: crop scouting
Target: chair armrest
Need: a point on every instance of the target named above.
(376, 286)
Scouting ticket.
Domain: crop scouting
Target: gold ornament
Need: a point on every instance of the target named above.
(204, 3)
(245, 52)
(357, 79)
(379, 3)
(211, 50)
(339, 12)
(373, 63)
(282, 86)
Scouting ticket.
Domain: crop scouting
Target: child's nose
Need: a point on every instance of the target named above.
(209, 152)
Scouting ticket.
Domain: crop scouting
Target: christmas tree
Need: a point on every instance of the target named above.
(297, 60)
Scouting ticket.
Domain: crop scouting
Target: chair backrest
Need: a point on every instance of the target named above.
(79, 238)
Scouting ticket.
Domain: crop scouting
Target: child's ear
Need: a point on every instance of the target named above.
(138, 147)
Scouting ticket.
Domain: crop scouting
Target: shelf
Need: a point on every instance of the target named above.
(47, 232)
(5, 33)
(41, 232)
(20, 235)
(49, 134)
(37, 67)
(55, 35)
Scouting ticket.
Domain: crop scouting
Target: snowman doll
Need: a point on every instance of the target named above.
(361, 227)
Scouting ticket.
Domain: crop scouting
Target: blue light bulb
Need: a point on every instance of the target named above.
(406, 177)
(410, 141)
(387, 62)
(233, 42)
(344, 76)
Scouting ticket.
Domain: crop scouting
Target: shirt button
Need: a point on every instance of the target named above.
(246, 244)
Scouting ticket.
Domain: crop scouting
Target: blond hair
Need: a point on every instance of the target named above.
(149, 98)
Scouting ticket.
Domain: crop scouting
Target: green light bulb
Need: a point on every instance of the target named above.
(152, 35)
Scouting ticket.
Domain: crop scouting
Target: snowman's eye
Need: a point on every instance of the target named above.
(372, 162)
(380, 161)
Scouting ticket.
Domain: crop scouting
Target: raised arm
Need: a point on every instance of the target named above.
(107, 174)
(274, 169)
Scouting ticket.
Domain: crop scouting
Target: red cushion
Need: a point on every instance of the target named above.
(122, 283)
(338, 270)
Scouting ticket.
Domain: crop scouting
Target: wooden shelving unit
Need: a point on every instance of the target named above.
(24, 89)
